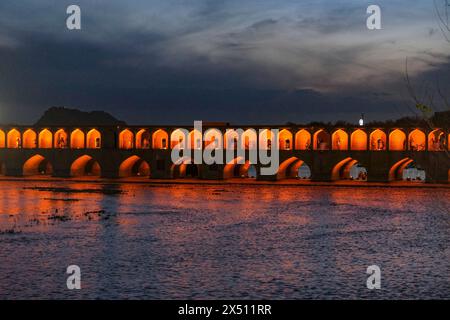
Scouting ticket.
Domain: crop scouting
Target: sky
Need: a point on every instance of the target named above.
(238, 61)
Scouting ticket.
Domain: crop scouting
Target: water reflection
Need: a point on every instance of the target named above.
(221, 241)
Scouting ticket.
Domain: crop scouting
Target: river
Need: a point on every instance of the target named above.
(142, 241)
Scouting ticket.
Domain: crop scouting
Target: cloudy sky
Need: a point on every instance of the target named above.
(243, 61)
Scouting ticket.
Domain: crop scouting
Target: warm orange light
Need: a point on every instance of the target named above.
(285, 140)
(302, 140)
(358, 140)
(265, 139)
(321, 140)
(134, 166)
(143, 139)
(160, 139)
(13, 138)
(285, 165)
(213, 138)
(248, 139)
(77, 139)
(339, 140)
(60, 139)
(93, 139)
(397, 140)
(2, 139)
(36, 165)
(45, 139)
(397, 169)
(126, 138)
(377, 140)
(436, 140)
(416, 140)
(85, 165)
(29, 139)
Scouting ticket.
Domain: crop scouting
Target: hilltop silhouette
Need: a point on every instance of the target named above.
(61, 116)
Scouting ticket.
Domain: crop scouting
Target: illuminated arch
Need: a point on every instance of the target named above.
(396, 171)
(339, 140)
(183, 168)
(13, 139)
(45, 139)
(343, 169)
(134, 166)
(29, 139)
(321, 140)
(178, 138)
(417, 140)
(436, 140)
(126, 138)
(397, 140)
(265, 139)
(377, 140)
(248, 140)
(77, 139)
(237, 168)
(37, 165)
(60, 139)
(214, 138)
(285, 140)
(85, 166)
(93, 139)
(289, 168)
(231, 139)
(358, 140)
(303, 140)
(195, 139)
(143, 139)
(160, 139)
(2, 139)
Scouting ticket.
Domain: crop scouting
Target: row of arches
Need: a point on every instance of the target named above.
(134, 166)
(46, 140)
(358, 140)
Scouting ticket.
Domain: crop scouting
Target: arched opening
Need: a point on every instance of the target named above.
(237, 168)
(303, 140)
(339, 140)
(2, 139)
(195, 139)
(85, 166)
(231, 139)
(93, 139)
(37, 165)
(178, 139)
(143, 139)
(184, 168)
(77, 139)
(265, 139)
(248, 139)
(60, 139)
(416, 140)
(285, 139)
(134, 166)
(290, 168)
(213, 139)
(436, 140)
(321, 140)
(349, 169)
(45, 139)
(407, 170)
(29, 139)
(358, 140)
(14, 140)
(126, 138)
(377, 140)
(397, 140)
(160, 139)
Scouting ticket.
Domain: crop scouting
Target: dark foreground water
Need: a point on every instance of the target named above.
(198, 241)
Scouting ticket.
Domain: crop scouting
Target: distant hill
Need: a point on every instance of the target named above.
(60, 116)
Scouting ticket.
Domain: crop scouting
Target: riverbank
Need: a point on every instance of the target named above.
(236, 181)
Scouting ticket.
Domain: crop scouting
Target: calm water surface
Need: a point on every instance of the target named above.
(197, 241)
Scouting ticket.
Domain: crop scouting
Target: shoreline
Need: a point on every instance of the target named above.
(236, 181)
